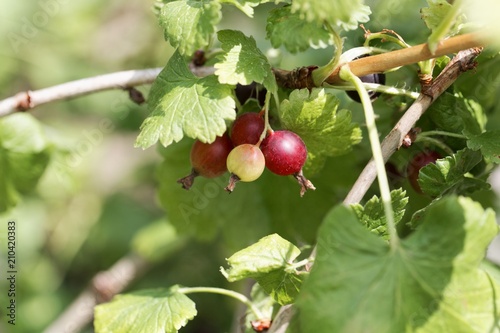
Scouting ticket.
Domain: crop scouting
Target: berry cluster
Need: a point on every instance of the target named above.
(245, 156)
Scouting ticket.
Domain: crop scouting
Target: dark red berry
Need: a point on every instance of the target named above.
(418, 162)
(285, 152)
(247, 128)
(208, 159)
(370, 78)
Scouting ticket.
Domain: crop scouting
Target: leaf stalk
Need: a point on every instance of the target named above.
(385, 192)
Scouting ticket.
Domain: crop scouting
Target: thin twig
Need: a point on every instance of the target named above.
(462, 62)
(120, 80)
(103, 287)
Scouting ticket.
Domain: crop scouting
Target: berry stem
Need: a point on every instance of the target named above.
(267, 126)
(240, 297)
(385, 192)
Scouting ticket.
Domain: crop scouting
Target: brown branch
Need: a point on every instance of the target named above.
(295, 79)
(120, 80)
(103, 287)
(386, 61)
(462, 62)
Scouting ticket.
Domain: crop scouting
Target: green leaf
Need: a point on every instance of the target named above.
(189, 25)
(482, 84)
(372, 214)
(268, 261)
(242, 62)
(434, 15)
(314, 117)
(157, 240)
(448, 175)
(281, 285)
(246, 6)
(181, 103)
(344, 13)
(305, 34)
(456, 114)
(24, 156)
(443, 19)
(268, 254)
(489, 144)
(430, 282)
(158, 310)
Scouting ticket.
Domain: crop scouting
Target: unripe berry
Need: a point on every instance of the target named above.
(246, 163)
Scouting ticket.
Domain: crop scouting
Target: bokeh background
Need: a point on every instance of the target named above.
(82, 218)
